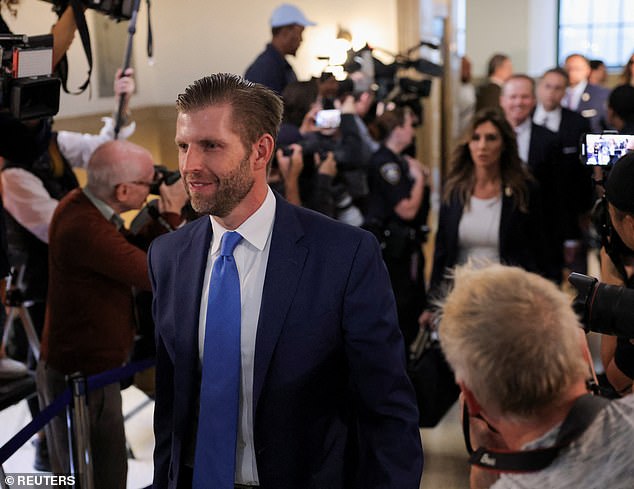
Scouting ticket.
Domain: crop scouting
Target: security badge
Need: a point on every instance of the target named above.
(391, 173)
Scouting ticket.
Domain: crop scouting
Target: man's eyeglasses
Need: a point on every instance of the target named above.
(145, 183)
(141, 182)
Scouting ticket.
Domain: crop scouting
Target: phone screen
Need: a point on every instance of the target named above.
(328, 119)
(605, 149)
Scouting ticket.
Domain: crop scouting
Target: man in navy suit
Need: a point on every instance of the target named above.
(325, 401)
(570, 127)
(539, 148)
(581, 96)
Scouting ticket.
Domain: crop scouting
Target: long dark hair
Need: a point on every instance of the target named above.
(461, 177)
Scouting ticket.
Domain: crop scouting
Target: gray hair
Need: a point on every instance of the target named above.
(112, 163)
(512, 337)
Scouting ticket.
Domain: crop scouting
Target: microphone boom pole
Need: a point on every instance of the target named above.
(126, 63)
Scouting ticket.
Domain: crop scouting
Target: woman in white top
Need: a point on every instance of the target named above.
(490, 208)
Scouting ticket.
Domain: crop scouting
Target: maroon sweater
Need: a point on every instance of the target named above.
(89, 323)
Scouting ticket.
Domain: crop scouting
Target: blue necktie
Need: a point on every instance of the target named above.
(215, 459)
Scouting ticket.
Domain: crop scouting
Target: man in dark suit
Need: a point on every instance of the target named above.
(499, 69)
(570, 127)
(539, 148)
(324, 397)
(581, 96)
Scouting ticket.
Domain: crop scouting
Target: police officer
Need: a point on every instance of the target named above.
(397, 214)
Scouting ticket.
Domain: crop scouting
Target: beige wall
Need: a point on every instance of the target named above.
(526, 30)
(195, 37)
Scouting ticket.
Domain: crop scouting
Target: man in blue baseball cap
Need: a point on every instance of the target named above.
(270, 68)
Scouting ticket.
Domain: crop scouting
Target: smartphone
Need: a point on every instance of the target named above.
(604, 149)
(328, 119)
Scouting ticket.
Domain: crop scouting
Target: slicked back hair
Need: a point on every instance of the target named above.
(256, 109)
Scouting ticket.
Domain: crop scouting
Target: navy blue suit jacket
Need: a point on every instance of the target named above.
(578, 176)
(271, 69)
(593, 106)
(333, 406)
(547, 164)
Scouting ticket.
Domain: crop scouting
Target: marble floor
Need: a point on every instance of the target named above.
(445, 456)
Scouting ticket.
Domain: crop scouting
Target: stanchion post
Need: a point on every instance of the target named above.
(79, 433)
(3, 478)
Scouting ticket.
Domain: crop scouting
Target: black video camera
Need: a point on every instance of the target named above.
(116, 9)
(28, 90)
(162, 175)
(603, 308)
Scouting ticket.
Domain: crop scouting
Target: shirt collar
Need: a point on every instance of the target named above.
(107, 211)
(579, 88)
(524, 126)
(270, 49)
(541, 112)
(255, 230)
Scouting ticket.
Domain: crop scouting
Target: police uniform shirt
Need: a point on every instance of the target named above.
(390, 182)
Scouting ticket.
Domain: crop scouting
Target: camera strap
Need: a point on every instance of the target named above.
(82, 28)
(581, 415)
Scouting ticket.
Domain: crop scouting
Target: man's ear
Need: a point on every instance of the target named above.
(472, 403)
(262, 150)
(628, 220)
(121, 192)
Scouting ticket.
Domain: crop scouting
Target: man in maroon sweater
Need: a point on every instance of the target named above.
(93, 264)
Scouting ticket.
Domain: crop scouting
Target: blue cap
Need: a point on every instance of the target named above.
(287, 14)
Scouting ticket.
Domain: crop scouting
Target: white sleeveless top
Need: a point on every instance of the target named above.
(479, 231)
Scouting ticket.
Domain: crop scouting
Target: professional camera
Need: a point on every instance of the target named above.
(403, 82)
(27, 88)
(116, 9)
(162, 175)
(603, 308)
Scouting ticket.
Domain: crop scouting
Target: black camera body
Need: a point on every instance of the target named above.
(163, 176)
(603, 308)
(116, 9)
(28, 90)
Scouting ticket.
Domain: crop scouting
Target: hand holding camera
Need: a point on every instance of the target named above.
(172, 198)
(308, 122)
(290, 162)
(326, 165)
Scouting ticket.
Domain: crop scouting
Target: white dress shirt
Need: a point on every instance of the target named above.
(24, 195)
(549, 119)
(523, 133)
(573, 96)
(251, 257)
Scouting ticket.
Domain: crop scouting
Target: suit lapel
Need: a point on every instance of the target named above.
(191, 260)
(284, 268)
(505, 222)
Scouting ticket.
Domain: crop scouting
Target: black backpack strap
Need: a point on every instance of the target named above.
(82, 28)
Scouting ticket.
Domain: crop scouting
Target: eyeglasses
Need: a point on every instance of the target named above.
(145, 183)
(141, 182)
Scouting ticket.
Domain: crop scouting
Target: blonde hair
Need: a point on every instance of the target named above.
(512, 337)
